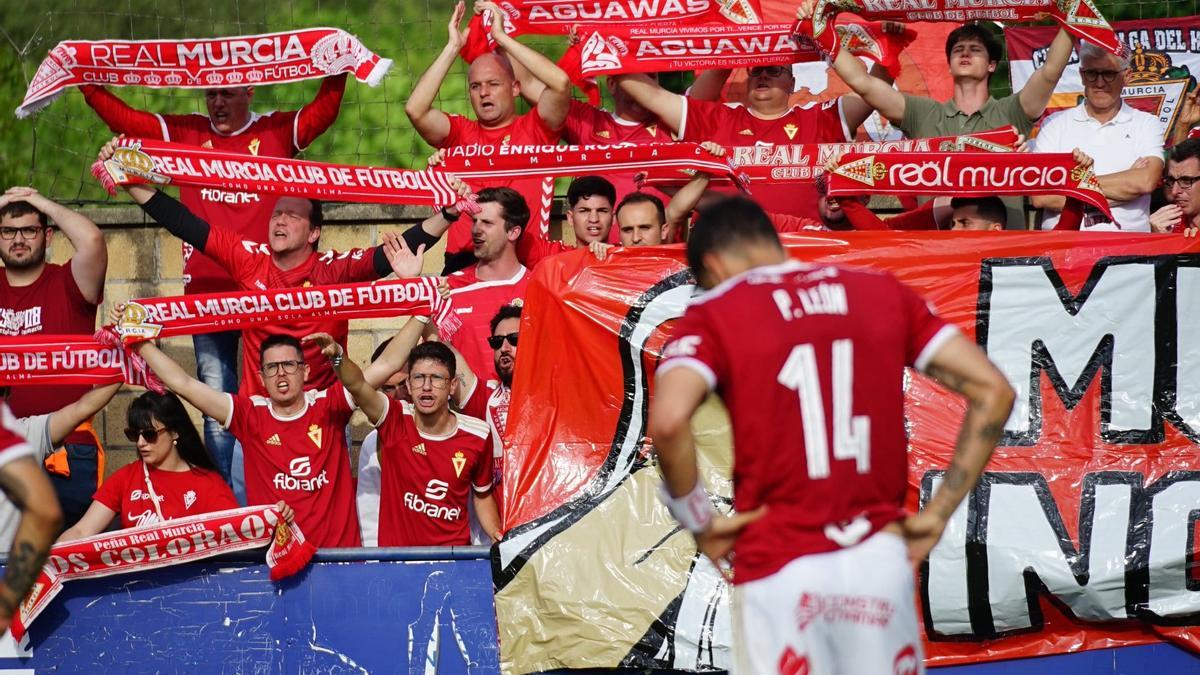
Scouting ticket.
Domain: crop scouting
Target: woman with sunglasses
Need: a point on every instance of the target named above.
(174, 478)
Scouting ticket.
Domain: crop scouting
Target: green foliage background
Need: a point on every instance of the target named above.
(54, 149)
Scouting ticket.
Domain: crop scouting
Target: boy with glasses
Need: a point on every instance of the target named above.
(1181, 186)
(41, 297)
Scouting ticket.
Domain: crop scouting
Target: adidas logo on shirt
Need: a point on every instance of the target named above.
(274, 440)
(746, 132)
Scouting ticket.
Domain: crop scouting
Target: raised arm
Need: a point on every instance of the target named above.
(1036, 94)
(27, 487)
(709, 83)
(875, 93)
(64, 420)
(555, 99)
(685, 199)
(90, 262)
(216, 404)
(119, 116)
(313, 119)
(396, 354)
(667, 106)
(432, 124)
(962, 367)
(371, 401)
(1189, 116)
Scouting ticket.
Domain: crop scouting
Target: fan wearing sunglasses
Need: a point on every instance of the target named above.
(174, 476)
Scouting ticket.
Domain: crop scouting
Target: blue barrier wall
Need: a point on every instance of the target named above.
(352, 611)
(376, 616)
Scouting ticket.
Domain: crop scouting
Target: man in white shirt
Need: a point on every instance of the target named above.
(1127, 145)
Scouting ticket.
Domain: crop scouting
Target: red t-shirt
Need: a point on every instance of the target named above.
(538, 192)
(426, 480)
(274, 134)
(476, 302)
(588, 125)
(52, 305)
(180, 494)
(784, 223)
(835, 336)
(253, 269)
(749, 140)
(302, 460)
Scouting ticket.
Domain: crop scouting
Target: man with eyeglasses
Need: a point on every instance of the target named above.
(1181, 186)
(294, 438)
(972, 55)
(1125, 143)
(38, 297)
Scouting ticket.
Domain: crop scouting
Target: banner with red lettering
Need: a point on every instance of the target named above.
(163, 544)
(1164, 61)
(236, 61)
(153, 318)
(521, 161)
(559, 17)
(65, 359)
(800, 163)
(966, 174)
(1078, 17)
(1081, 534)
(139, 161)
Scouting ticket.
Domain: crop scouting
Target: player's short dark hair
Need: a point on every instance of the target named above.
(974, 32)
(280, 340)
(433, 351)
(590, 186)
(18, 209)
(726, 225)
(1182, 152)
(643, 198)
(512, 205)
(991, 208)
(317, 217)
(506, 312)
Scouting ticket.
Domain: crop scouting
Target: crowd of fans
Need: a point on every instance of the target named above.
(276, 420)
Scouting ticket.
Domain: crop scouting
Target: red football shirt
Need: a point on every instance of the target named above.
(752, 140)
(252, 269)
(52, 305)
(538, 192)
(476, 302)
(274, 134)
(818, 408)
(489, 402)
(588, 125)
(427, 480)
(302, 460)
(180, 494)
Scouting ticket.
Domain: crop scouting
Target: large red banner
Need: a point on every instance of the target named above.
(1081, 534)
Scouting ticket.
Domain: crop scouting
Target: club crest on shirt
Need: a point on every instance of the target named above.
(506, 139)
(419, 448)
(790, 130)
(653, 129)
(189, 498)
(314, 434)
(460, 462)
(253, 146)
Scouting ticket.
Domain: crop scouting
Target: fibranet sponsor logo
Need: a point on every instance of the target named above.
(297, 478)
(435, 491)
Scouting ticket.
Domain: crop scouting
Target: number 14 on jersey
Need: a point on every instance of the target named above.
(851, 433)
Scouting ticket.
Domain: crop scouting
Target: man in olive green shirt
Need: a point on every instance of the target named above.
(972, 54)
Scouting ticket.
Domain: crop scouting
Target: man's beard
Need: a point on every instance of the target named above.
(36, 258)
(505, 376)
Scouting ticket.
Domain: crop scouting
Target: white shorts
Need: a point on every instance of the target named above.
(844, 612)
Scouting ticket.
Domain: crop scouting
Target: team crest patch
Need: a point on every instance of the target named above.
(189, 498)
(253, 147)
(460, 462)
(653, 129)
(790, 130)
(314, 434)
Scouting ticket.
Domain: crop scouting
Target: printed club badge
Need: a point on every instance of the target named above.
(314, 434)
(460, 462)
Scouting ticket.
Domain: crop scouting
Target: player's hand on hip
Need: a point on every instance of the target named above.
(921, 532)
(717, 541)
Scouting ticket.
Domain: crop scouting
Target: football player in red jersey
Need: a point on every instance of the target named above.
(825, 556)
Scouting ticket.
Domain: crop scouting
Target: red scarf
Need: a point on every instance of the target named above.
(70, 359)
(557, 17)
(801, 163)
(200, 64)
(519, 161)
(163, 544)
(649, 48)
(151, 318)
(141, 161)
(1078, 17)
(1021, 174)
